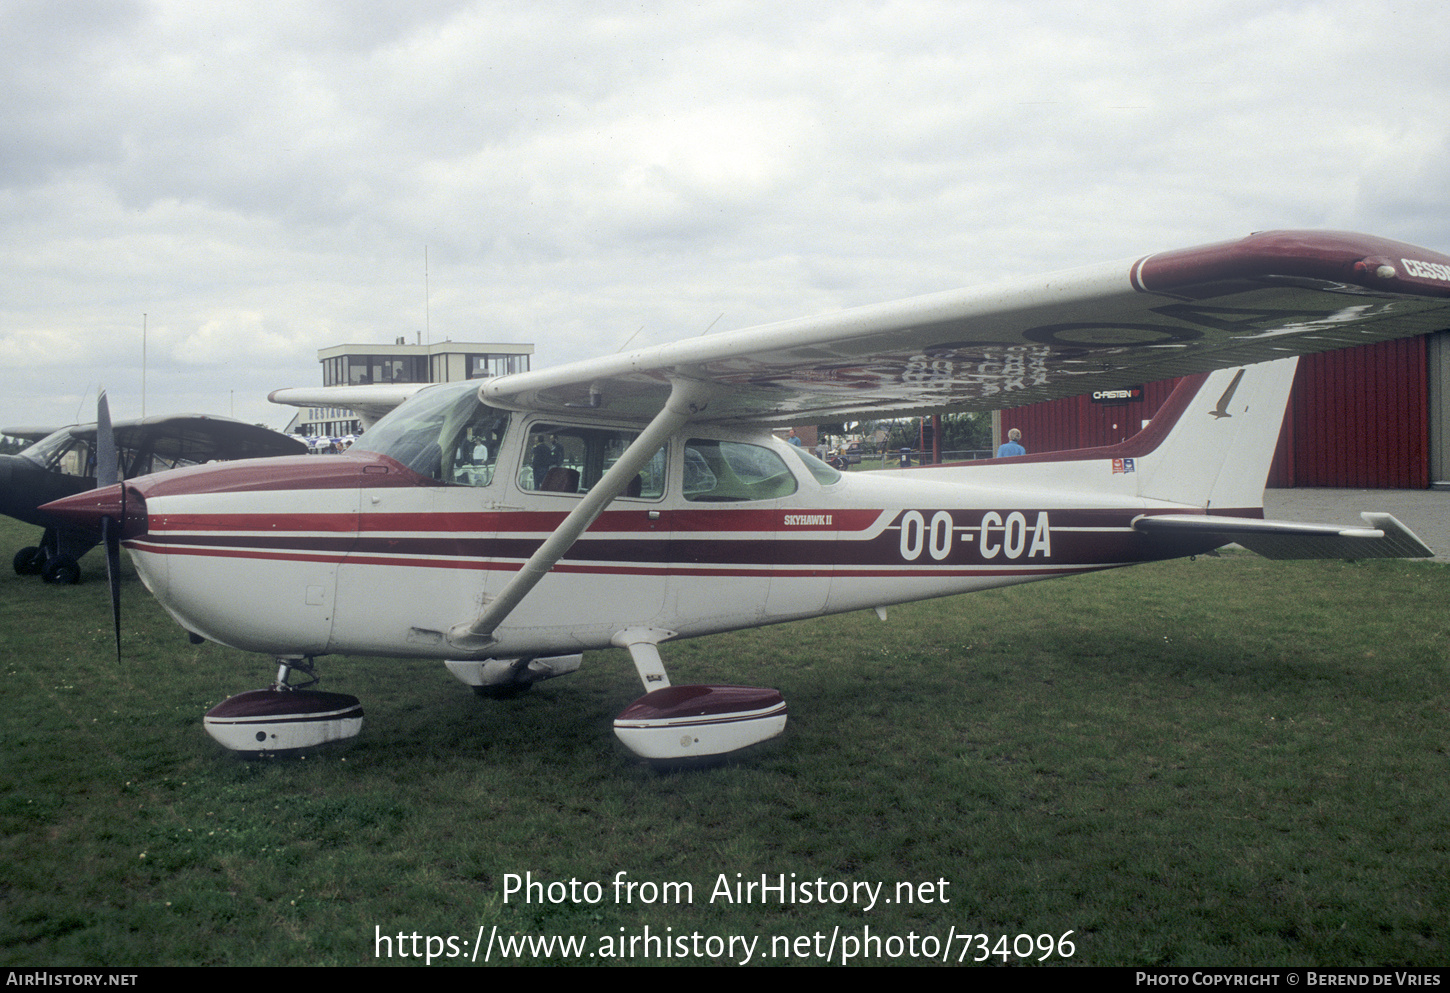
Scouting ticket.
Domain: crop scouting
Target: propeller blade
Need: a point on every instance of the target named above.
(111, 537)
(106, 461)
(108, 473)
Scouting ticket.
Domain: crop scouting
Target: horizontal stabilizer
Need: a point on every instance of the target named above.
(1385, 538)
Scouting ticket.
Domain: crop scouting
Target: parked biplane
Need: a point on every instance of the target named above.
(510, 524)
(63, 461)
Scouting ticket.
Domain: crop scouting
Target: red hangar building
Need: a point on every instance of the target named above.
(1371, 417)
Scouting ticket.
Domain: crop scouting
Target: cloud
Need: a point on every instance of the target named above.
(265, 186)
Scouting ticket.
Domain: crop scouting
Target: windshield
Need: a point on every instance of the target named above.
(445, 433)
(62, 452)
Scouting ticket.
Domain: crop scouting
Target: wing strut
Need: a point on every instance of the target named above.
(687, 399)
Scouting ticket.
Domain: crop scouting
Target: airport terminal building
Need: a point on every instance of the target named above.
(399, 362)
(1371, 417)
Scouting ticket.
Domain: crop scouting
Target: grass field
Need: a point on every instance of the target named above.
(1225, 761)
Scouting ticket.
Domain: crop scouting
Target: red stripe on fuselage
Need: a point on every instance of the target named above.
(522, 521)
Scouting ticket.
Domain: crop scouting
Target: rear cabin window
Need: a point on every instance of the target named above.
(726, 471)
(824, 474)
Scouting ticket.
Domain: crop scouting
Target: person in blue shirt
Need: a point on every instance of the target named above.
(1012, 446)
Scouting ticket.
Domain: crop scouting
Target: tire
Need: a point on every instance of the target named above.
(28, 561)
(62, 569)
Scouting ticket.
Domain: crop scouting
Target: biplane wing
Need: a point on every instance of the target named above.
(1270, 295)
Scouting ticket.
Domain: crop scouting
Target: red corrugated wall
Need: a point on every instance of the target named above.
(1358, 417)
(1361, 417)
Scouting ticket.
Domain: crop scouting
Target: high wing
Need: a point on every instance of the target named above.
(370, 403)
(1270, 295)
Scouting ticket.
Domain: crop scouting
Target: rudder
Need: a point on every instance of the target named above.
(1217, 453)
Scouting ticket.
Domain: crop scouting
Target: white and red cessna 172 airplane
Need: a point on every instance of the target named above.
(508, 525)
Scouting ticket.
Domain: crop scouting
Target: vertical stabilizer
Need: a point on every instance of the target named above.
(1218, 452)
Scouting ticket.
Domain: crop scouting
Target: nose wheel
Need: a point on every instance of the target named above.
(285, 718)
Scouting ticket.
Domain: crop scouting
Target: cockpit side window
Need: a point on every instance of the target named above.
(724, 471)
(562, 458)
(471, 457)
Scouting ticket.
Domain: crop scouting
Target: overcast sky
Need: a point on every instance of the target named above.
(262, 181)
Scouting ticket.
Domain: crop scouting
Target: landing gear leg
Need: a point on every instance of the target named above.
(54, 558)
(286, 665)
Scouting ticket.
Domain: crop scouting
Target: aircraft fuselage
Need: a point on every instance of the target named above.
(358, 554)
